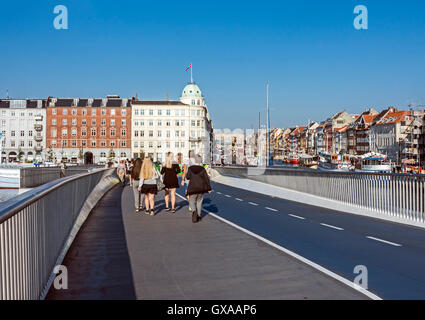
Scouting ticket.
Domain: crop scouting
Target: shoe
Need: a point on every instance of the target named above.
(167, 209)
(199, 218)
(194, 217)
(174, 211)
(146, 211)
(138, 209)
(152, 213)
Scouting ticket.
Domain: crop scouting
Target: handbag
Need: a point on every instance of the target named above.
(159, 183)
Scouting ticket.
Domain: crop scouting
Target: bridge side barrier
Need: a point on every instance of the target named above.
(386, 195)
(37, 228)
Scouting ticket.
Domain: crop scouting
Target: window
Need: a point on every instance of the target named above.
(93, 143)
(74, 132)
(177, 134)
(198, 123)
(103, 112)
(168, 123)
(123, 112)
(74, 121)
(103, 132)
(30, 133)
(64, 122)
(123, 122)
(142, 112)
(198, 113)
(176, 112)
(83, 143)
(22, 133)
(54, 112)
(182, 112)
(136, 133)
(74, 143)
(150, 123)
(177, 144)
(93, 132)
(64, 132)
(123, 132)
(159, 123)
(54, 133)
(112, 143)
(142, 133)
(182, 123)
(84, 122)
(64, 112)
(93, 112)
(64, 143)
(12, 143)
(167, 144)
(112, 112)
(112, 122)
(113, 132)
(183, 134)
(168, 112)
(160, 112)
(103, 122)
(84, 112)
(83, 132)
(159, 134)
(150, 144)
(193, 102)
(12, 133)
(142, 123)
(53, 122)
(53, 143)
(192, 123)
(150, 134)
(136, 112)
(123, 143)
(30, 143)
(151, 112)
(168, 133)
(177, 123)
(74, 112)
(136, 144)
(22, 143)
(182, 144)
(159, 144)
(93, 122)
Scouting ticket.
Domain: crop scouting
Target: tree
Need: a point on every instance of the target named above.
(142, 154)
(50, 155)
(19, 154)
(81, 155)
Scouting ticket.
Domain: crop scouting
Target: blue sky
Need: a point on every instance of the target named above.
(315, 60)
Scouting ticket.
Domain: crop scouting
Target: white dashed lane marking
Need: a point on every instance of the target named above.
(385, 241)
(227, 196)
(219, 192)
(253, 204)
(238, 199)
(271, 209)
(297, 217)
(332, 227)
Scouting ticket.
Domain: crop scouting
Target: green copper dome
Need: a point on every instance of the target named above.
(191, 90)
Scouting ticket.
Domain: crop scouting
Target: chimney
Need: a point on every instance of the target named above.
(166, 96)
(135, 97)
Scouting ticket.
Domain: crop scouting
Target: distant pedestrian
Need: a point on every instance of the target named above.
(135, 175)
(186, 165)
(121, 172)
(130, 165)
(149, 176)
(170, 171)
(199, 184)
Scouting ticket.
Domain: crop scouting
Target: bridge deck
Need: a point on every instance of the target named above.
(121, 254)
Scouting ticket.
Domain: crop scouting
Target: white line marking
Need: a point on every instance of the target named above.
(227, 196)
(332, 227)
(238, 199)
(253, 203)
(385, 241)
(219, 192)
(296, 256)
(271, 209)
(298, 217)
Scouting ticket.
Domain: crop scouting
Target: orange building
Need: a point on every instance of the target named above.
(88, 130)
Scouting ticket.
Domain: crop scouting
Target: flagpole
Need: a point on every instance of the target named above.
(191, 74)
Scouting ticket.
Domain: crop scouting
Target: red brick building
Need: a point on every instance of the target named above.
(88, 130)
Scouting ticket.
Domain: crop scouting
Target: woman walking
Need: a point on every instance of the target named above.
(121, 172)
(148, 184)
(171, 182)
(199, 183)
(135, 176)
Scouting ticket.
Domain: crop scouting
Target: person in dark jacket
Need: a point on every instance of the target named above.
(199, 184)
(170, 171)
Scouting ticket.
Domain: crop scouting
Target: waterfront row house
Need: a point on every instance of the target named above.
(398, 134)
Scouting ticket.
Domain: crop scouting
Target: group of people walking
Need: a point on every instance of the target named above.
(146, 181)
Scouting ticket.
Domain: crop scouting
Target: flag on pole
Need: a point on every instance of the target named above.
(189, 67)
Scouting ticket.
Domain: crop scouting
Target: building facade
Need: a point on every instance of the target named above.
(159, 127)
(88, 130)
(22, 124)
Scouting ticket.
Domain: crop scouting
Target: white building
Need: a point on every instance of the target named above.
(23, 127)
(229, 147)
(159, 127)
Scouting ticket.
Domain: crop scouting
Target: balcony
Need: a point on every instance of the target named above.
(38, 127)
(38, 149)
(38, 138)
(39, 117)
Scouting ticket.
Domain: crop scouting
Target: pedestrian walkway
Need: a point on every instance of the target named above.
(121, 254)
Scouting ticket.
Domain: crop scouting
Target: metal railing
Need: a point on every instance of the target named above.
(393, 195)
(35, 229)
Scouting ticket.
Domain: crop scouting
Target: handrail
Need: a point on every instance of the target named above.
(12, 206)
